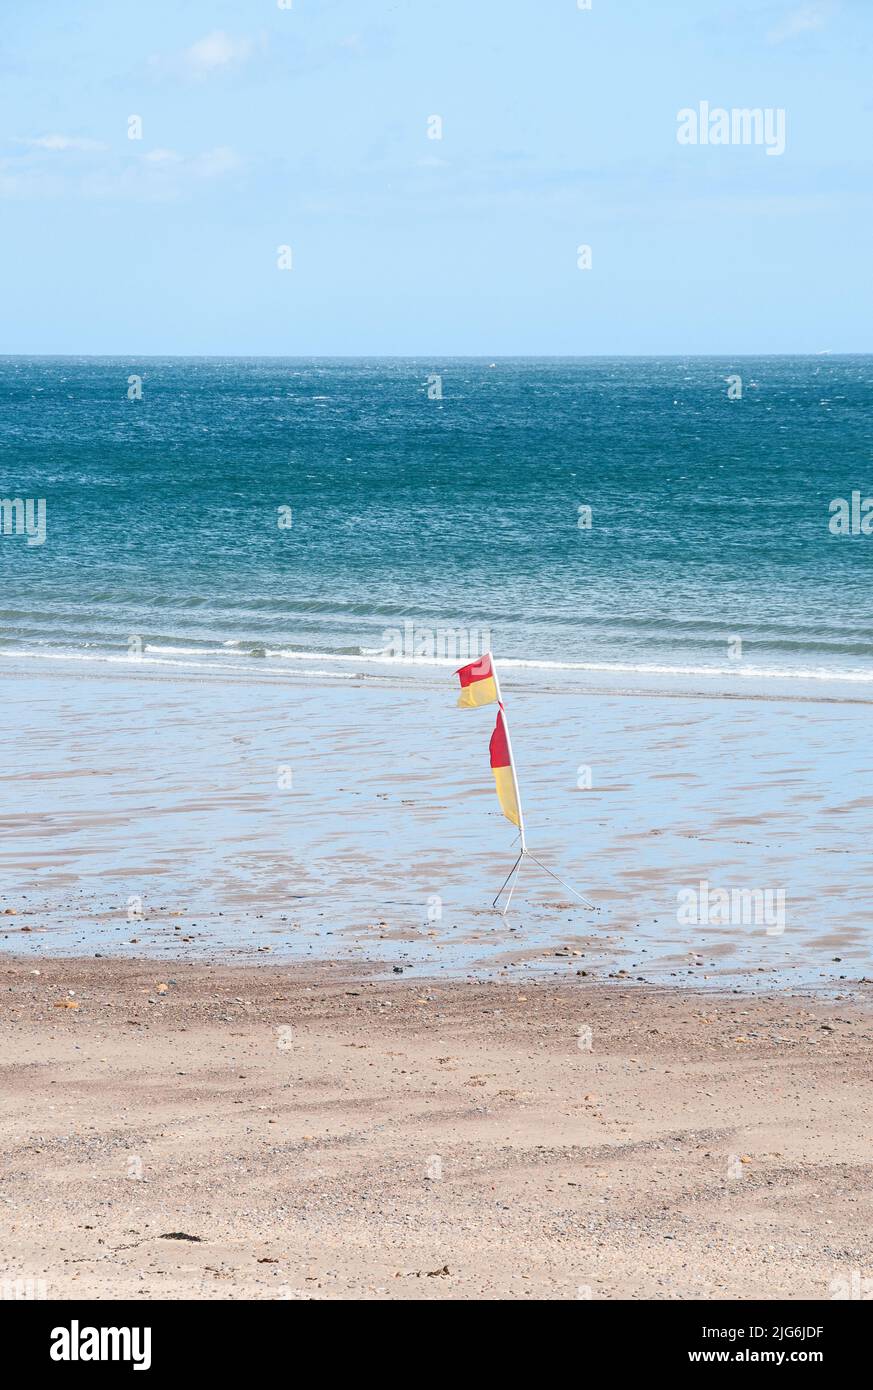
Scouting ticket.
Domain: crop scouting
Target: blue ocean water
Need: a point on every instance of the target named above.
(450, 503)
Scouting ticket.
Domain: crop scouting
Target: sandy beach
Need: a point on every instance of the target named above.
(271, 1042)
(312, 1132)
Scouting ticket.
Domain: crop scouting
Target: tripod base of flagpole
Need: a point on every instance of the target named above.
(514, 874)
(515, 870)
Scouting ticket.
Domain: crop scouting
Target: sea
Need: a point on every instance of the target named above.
(627, 521)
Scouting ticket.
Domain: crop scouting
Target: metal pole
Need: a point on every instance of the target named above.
(560, 880)
(516, 866)
(525, 852)
(511, 758)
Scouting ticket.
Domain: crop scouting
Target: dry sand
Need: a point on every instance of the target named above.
(326, 1134)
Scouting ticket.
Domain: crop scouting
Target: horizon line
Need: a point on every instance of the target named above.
(422, 357)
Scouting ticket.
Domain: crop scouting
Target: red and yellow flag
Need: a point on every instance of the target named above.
(477, 683)
(501, 766)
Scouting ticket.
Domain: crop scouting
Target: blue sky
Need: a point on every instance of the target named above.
(307, 127)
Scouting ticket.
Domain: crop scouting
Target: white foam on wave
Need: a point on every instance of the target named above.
(176, 656)
(618, 668)
(193, 651)
(256, 669)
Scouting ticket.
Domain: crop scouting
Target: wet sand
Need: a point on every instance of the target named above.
(326, 1134)
(168, 813)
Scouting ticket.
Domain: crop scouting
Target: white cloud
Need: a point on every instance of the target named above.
(166, 169)
(804, 20)
(61, 142)
(160, 174)
(217, 50)
(214, 53)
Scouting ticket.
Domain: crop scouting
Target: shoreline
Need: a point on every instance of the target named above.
(560, 964)
(529, 678)
(324, 1134)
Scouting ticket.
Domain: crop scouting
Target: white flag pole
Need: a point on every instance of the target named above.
(511, 758)
(525, 852)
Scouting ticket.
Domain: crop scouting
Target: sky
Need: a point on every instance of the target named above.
(307, 125)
